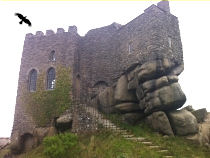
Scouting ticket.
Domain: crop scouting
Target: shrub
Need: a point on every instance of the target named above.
(58, 146)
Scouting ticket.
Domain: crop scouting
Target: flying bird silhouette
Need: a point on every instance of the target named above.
(23, 19)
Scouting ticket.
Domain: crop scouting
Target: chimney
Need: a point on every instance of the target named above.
(164, 5)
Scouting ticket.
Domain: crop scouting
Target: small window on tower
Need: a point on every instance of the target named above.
(129, 48)
(32, 80)
(51, 78)
(169, 42)
(52, 56)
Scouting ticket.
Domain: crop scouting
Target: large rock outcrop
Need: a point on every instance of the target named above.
(158, 87)
(203, 135)
(200, 114)
(107, 100)
(183, 122)
(149, 90)
(127, 107)
(122, 94)
(159, 122)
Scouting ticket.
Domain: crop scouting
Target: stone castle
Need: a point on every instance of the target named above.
(131, 68)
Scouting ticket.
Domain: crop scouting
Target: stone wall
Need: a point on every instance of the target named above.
(107, 52)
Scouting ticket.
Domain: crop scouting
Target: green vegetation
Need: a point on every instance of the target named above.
(59, 145)
(100, 145)
(106, 144)
(4, 152)
(44, 104)
(179, 147)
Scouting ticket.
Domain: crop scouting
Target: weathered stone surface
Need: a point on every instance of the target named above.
(95, 102)
(183, 122)
(153, 69)
(52, 131)
(151, 85)
(133, 73)
(147, 71)
(172, 78)
(40, 133)
(15, 147)
(121, 91)
(67, 118)
(106, 100)
(133, 84)
(203, 135)
(64, 122)
(200, 114)
(127, 107)
(155, 84)
(139, 93)
(133, 118)
(165, 98)
(177, 70)
(24, 143)
(159, 122)
(188, 108)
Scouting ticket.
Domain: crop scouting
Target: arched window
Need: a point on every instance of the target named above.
(32, 80)
(52, 56)
(51, 78)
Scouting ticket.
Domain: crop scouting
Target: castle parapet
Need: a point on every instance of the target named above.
(29, 35)
(39, 33)
(60, 30)
(72, 29)
(49, 32)
(164, 5)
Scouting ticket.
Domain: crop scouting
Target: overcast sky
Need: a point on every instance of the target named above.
(194, 20)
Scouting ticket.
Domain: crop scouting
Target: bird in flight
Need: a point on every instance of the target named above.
(23, 19)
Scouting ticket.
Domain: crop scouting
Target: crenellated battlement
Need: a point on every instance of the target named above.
(60, 31)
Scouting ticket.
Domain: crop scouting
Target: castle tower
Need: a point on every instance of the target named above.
(164, 5)
(42, 55)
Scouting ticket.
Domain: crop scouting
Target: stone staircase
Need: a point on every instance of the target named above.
(124, 133)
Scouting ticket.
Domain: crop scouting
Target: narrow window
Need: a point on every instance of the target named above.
(32, 80)
(52, 56)
(51, 78)
(169, 42)
(129, 48)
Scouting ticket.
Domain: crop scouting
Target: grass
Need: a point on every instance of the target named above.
(3, 152)
(101, 145)
(178, 146)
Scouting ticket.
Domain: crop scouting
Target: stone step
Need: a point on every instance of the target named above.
(154, 147)
(147, 143)
(120, 130)
(162, 151)
(136, 139)
(127, 135)
(112, 126)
